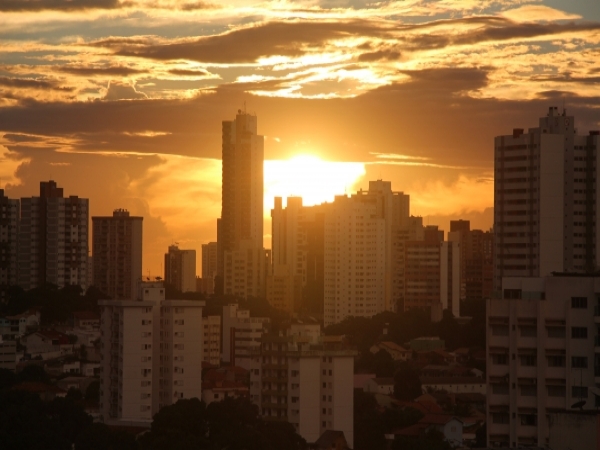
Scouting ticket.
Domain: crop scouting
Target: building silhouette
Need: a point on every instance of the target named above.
(53, 239)
(180, 269)
(241, 258)
(117, 253)
(9, 237)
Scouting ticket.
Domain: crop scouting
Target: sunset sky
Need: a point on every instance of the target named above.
(122, 101)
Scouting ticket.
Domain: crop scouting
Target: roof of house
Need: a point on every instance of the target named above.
(361, 378)
(393, 346)
(328, 439)
(452, 380)
(426, 407)
(62, 338)
(415, 430)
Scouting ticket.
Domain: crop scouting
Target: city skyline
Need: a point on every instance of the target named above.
(410, 92)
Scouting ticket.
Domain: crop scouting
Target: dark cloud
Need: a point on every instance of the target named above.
(92, 71)
(556, 95)
(244, 45)
(59, 5)
(123, 91)
(18, 138)
(388, 55)
(32, 83)
(193, 6)
(189, 73)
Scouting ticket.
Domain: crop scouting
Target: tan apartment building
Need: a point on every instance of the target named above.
(543, 355)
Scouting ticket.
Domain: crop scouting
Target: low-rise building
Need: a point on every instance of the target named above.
(8, 354)
(397, 352)
(456, 385)
(380, 386)
(47, 344)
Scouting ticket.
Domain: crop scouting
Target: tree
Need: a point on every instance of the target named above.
(431, 440)
(407, 385)
(368, 428)
(92, 393)
(33, 372)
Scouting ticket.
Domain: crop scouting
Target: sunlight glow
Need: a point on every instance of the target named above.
(309, 177)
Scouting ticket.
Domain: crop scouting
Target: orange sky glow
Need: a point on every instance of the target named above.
(122, 101)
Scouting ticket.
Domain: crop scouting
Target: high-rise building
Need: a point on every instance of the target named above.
(476, 262)
(432, 272)
(9, 237)
(546, 200)
(242, 185)
(411, 230)
(151, 354)
(53, 239)
(341, 253)
(305, 379)
(542, 355)
(117, 253)
(180, 269)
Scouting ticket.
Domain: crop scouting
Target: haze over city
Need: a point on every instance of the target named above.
(122, 102)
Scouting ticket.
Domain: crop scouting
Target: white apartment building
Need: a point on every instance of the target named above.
(53, 239)
(9, 236)
(543, 355)
(117, 252)
(546, 202)
(306, 381)
(355, 269)
(245, 270)
(151, 354)
(180, 269)
(241, 333)
(211, 348)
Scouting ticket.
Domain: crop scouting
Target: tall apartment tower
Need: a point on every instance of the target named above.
(242, 185)
(117, 253)
(546, 204)
(543, 356)
(9, 236)
(53, 239)
(151, 354)
(180, 269)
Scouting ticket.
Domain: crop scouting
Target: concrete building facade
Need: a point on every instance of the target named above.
(241, 333)
(546, 201)
(53, 239)
(305, 382)
(209, 267)
(543, 355)
(211, 350)
(117, 252)
(151, 354)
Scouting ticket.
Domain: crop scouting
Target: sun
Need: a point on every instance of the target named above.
(309, 177)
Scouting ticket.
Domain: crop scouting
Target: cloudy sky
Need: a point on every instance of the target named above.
(121, 101)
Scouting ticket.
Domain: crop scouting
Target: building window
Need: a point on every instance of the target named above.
(579, 332)
(557, 391)
(579, 302)
(579, 362)
(528, 360)
(529, 420)
(556, 332)
(500, 417)
(556, 361)
(529, 390)
(579, 392)
(500, 360)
